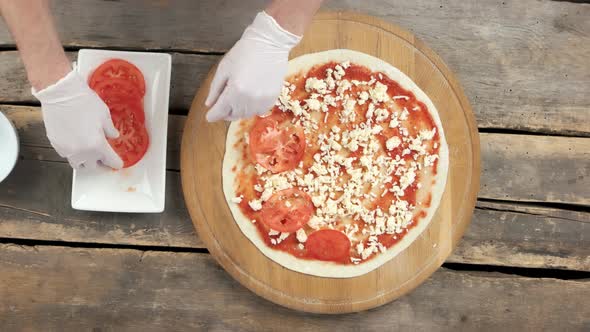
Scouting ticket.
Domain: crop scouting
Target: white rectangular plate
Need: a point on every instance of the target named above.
(141, 187)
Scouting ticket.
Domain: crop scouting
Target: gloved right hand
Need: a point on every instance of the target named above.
(249, 78)
(76, 121)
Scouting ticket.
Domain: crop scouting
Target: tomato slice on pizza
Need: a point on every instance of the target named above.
(328, 245)
(276, 144)
(287, 210)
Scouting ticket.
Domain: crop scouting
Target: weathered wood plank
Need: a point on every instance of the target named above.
(34, 204)
(31, 207)
(56, 288)
(520, 62)
(523, 63)
(29, 123)
(35, 197)
(188, 71)
(515, 167)
(527, 236)
(501, 234)
(535, 168)
(202, 26)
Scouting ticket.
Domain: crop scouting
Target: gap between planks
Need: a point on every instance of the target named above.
(505, 54)
(152, 291)
(545, 273)
(526, 132)
(76, 48)
(482, 204)
(481, 130)
(526, 168)
(489, 190)
(503, 233)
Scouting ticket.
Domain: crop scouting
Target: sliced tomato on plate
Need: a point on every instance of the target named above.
(121, 86)
(287, 210)
(276, 143)
(328, 245)
(128, 106)
(115, 90)
(133, 140)
(121, 70)
(120, 97)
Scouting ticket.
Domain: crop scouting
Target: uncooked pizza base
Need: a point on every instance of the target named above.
(232, 158)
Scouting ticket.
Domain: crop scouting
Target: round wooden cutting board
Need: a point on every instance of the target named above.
(203, 146)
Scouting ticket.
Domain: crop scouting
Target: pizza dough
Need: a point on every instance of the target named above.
(233, 159)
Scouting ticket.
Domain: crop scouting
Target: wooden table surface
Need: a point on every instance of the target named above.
(524, 263)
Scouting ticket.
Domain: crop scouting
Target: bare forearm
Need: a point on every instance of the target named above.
(32, 27)
(293, 15)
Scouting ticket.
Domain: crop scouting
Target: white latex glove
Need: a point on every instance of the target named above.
(76, 121)
(249, 78)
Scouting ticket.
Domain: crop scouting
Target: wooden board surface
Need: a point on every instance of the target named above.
(514, 57)
(527, 171)
(505, 234)
(515, 167)
(188, 72)
(202, 153)
(524, 67)
(502, 233)
(82, 289)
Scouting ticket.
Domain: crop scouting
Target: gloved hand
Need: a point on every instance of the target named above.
(249, 78)
(76, 121)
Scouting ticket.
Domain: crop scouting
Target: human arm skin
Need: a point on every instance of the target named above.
(76, 119)
(32, 27)
(293, 15)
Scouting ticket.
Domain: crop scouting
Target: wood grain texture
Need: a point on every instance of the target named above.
(28, 121)
(526, 235)
(202, 150)
(35, 204)
(188, 71)
(551, 169)
(71, 289)
(35, 198)
(201, 26)
(536, 168)
(523, 63)
(501, 234)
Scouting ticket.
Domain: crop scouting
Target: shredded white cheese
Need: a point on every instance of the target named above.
(301, 236)
(342, 187)
(255, 204)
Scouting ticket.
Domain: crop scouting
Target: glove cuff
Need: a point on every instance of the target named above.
(266, 27)
(68, 87)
